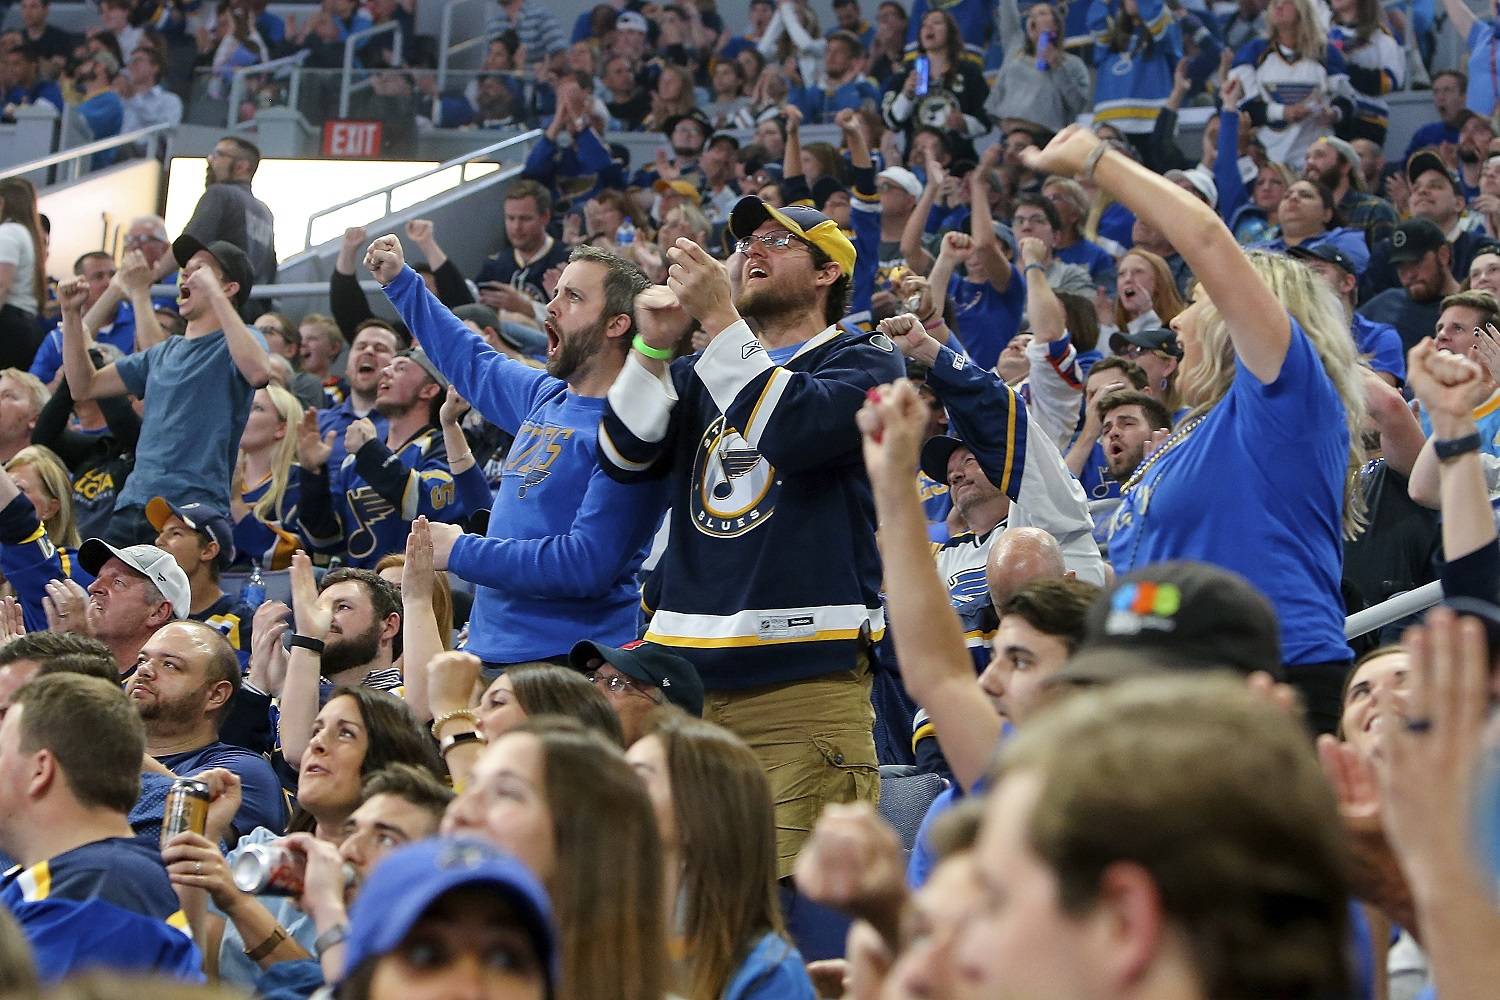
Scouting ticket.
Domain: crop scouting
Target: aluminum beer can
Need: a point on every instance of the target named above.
(186, 810)
(275, 870)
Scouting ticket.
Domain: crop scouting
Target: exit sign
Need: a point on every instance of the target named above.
(351, 138)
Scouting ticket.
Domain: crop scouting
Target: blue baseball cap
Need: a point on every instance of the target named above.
(406, 883)
(199, 517)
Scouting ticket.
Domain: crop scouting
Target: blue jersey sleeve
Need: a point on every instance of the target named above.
(417, 484)
(987, 415)
(864, 214)
(502, 390)
(600, 545)
(30, 561)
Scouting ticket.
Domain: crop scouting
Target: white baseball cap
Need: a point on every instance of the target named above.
(156, 565)
(902, 178)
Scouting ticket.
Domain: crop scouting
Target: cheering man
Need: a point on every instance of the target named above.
(770, 580)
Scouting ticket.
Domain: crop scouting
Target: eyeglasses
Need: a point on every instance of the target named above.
(619, 684)
(135, 241)
(775, 242)
(1132, 351)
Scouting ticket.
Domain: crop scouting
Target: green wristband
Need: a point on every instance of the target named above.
(639, 343)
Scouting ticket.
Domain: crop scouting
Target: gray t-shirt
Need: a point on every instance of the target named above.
(228, 211)
(197, 403)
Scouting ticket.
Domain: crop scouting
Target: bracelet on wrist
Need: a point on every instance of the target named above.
(656, 353)
(315, 646)
(1092, 161)
(334, 935)
(465, 714)
(266, 947)
(1034, 267)
(457, 739)
(1447, 450)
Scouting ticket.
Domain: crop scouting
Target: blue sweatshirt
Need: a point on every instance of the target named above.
(565, 540)
(1132, 84)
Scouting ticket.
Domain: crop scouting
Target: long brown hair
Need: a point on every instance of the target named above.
(18, 205)
(549, 689)
(607, 890)
(1165, 301)
(726, 828)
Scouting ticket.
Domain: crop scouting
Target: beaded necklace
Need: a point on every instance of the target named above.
(1172, 442)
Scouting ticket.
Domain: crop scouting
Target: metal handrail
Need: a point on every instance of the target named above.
(237, 81)
(290, 290)
(346, 86)
(446, 48)
(88, 149)
(1393, 609)
(386, 192)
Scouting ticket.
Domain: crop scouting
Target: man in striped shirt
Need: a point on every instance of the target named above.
(536, 26)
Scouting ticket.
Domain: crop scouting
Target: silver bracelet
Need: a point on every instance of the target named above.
(1087, 173)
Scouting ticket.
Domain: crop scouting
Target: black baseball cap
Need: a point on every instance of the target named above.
(1414, 239)
(1426, 160)
(1159, 339)
(826, 187)
(648, 663)
(1176, 616)
(936, 451)
(232, 261)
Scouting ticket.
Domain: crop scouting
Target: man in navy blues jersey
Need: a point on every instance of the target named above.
(770, 580)
(85, 891)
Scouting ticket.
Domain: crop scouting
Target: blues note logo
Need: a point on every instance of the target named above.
(734, 487)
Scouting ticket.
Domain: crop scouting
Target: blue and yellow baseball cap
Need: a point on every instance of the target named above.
(805, 223)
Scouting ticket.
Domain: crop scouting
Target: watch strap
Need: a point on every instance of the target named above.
(1454, 447)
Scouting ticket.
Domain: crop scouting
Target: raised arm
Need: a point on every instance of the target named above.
(299, 691)
(85, 382)
(136, 276)
(935, 662)
(1445, 383)
(982, 228)
(1258, 323)
(1043, 309)
(249, 355)
(917, 257)
(1461, 17)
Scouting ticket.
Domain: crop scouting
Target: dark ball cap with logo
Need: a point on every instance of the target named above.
(232, 261)
(648, 663)
(1176, 616)
(1414, 239)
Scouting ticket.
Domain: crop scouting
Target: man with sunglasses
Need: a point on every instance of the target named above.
(770, 581)
(1157, 352)
(636, 679)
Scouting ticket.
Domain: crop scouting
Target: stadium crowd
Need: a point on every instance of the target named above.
(915, 566)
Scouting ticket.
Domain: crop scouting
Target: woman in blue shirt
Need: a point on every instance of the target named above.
(1269, 371)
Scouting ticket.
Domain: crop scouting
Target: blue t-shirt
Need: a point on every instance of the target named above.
(986, 319)
(772, 971)
(1086, 253)
(262, 803)
(197, 403)
(1226, 495)
(119, 333)
(105, 113)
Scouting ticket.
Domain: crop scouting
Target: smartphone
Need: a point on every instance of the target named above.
(923, 69)
(1042, 43)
